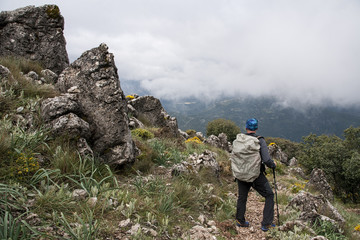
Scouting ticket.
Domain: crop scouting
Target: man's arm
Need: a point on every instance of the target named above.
(265, 156)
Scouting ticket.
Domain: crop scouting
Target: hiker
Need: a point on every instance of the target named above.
(249, 172)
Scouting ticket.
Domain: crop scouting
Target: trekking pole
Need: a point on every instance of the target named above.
(277, 205)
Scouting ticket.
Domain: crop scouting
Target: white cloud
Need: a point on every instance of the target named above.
(300, 51)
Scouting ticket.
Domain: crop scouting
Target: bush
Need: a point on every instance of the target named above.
(191, 132)
(220, 125)
(194, 140)
(338, 158)
(142, 133)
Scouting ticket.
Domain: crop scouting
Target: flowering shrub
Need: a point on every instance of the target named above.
(194, 140)
(26, 165)
(357, 228)
(297, 187)
(130, 97)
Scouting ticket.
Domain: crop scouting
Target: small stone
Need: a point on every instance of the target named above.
(150, 231)
(211, 223)
(74, 89)
(134, 229)
(19, 109)
(79, 194)
(125, 223)
(202, 219)
(92, 201)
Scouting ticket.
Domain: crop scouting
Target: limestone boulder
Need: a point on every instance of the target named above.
(318, 182)
(94, 80)
(150, 109)
(276, 153)
(35, 33)
(218, 141)
(70, 125)
(293, 162)
(52, 108)
(315, 207)
(49, 76)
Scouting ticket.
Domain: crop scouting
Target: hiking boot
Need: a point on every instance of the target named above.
(266, 228)
(244, 224)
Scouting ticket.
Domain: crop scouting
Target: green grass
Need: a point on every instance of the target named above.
(351, 216)
(15, 228)
(18, 88)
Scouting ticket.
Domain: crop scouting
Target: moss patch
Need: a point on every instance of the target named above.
(53, 11)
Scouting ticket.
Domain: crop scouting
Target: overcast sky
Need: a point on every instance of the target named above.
(301, 51)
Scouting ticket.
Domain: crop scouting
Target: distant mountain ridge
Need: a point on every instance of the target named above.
(274, 120)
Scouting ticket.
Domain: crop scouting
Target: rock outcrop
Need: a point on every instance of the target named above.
(318, 182)
(196, 162)
(276, 153)
(219, 142)
(150, 110)
(35, 33)
(96, 97)
(313, 208)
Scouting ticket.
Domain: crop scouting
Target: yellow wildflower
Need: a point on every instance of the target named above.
(194, 140)
(130, 97)
(357, 228)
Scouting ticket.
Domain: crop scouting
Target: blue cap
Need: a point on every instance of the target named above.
(252, 124)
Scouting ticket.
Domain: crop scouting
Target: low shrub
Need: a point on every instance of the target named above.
(297, 187)
(195, 140)
(26, 165)
(142, 133)
(217, 126)
(191, 132)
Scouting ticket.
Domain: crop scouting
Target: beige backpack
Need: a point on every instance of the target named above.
(245, 157)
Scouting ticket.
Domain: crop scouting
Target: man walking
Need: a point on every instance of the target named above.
(259, 182)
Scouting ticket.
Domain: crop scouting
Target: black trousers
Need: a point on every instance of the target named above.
(262, 186)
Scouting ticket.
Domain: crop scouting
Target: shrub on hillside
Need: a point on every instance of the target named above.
(191, 132)
(142, 133)
(220, 125)
(194, 140)
(339, 159)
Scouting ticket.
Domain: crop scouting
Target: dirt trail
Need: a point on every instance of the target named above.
(254, 214)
